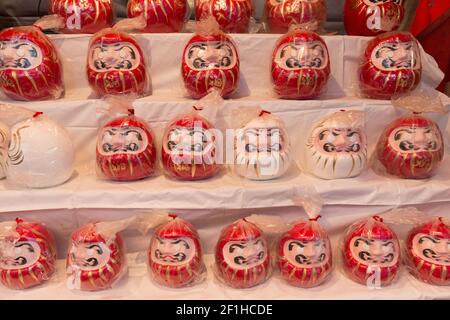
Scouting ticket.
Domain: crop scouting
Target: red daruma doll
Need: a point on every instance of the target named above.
(391, 66)
(27, 254)
(300, 65)
(175, 254)
(96, 256)
(372, 17)
(242, 255)
(281, 14)
(30, 68)
(411, 147)
(83, 16)
(428, 251)
(189, 148)
(210, 61)
(161, 15)
(115, 62)
(304, 254)
(371, 252)
(233, 16)
(125, 149)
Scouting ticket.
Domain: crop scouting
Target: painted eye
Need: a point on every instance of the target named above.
(291, 63)
(250, 147)
(197, 147)
(107, 147)
(132, 147)
(20, 52)
(226, 61)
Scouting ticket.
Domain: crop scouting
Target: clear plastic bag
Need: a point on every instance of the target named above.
(83, 16)
(281, 14)
(300, 65)
(370, 18)
(371, 253)
(428, 251)
(96, 257)
(161, 16)
(391, 66)
(40, 154)
(175, 254)
(262, 149)
(125, 148)
(27, 254)
(116, 63)
(242, 255)
(30, 67)
(190, 150)
(233, 16)
(336, 146)
(4, 143)
(304, 254)
(210, 61)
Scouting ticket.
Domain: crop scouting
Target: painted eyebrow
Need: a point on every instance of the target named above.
(398, 135)
(421, 240)
(133, 54)
(133, 131)
(298, 243)
(283, 51)
(232, 247)
(257, 241)
(196, 46)
(30, 247)
(182, 241)
(363, 240)
(388, 243)
(96, 246)
(322, 134)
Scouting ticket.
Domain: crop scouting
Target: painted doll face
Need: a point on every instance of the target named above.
(392, 56)
(122, 140)
(339, 140)
(90, 256)
(118, 56)
(194, 140)
(18, 255)
(242, 255)
(432, 249)
(307, 254)
(379, 253)
(19, 55)
(302, 55)
(415, 139)
(174, 251)
(211, 55)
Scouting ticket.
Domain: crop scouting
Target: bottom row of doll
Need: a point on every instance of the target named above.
(96, 255)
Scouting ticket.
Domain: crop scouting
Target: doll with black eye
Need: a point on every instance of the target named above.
(125, 149)
(210, 61)
(371, 252)
(242, 255)
(175, 254)
(93, 261)
(27, 255)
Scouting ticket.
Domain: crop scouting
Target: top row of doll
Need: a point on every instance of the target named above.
(361, 17)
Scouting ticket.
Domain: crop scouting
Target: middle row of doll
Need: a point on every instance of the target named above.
(31, 69)
(37, 152)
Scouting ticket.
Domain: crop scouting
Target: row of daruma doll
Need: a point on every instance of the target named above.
(37, 152)
(31, 69)
(361, 17)
(245, 254)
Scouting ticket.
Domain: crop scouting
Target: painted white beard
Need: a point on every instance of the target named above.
(267, 166)
(336, 166)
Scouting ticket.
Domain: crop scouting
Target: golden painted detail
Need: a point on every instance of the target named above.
(114, 168)
(420, 162)
(5, 81)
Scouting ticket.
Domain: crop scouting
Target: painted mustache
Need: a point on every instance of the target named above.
(241, 260)
(169, 257)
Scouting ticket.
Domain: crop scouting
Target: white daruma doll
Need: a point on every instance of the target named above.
(262, 148)
(337, 146)
(175, 254)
